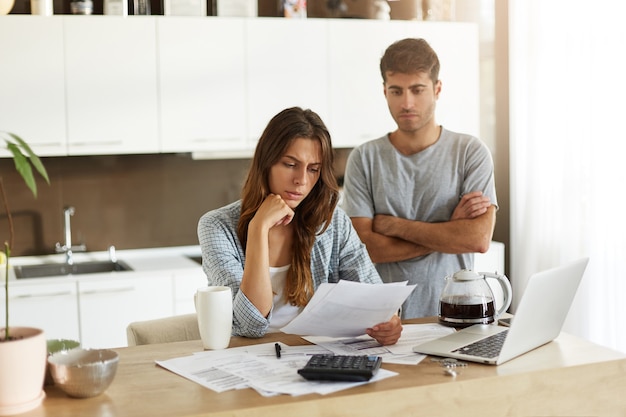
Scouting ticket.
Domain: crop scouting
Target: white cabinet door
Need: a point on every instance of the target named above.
(111, 72)
(48, 305)
(186, 283)
(287, 66)
(32, 82)
(457, 47)
(108, 306)
(357, 102)
(202, 84)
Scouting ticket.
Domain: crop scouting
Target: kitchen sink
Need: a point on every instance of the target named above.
(57, 269)
(197, 259)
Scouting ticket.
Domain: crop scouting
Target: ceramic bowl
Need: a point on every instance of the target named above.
(83, 373)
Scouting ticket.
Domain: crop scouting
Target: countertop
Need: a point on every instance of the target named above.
(139, 260)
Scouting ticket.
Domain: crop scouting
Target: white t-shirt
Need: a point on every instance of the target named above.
(283, 312)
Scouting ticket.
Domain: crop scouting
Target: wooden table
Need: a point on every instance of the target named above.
(567, 377)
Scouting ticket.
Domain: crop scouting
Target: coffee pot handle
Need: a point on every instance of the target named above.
(507, 292)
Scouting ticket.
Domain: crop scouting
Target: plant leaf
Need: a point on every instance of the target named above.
(22, 165)
(34, 159)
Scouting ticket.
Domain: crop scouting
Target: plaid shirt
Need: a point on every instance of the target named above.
(337, 254)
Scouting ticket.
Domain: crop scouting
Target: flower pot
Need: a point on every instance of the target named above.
(22, 370)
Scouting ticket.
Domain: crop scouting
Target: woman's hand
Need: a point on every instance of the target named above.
(387, 333)
(255, 282)
(275, 211)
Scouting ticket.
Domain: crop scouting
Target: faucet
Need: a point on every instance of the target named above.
(67, 248)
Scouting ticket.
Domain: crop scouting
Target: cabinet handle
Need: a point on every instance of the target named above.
(48, 145)
(109, 291)
(214, 140)
(48, 294)
(97, 143)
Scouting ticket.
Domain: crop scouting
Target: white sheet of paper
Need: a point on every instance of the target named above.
(257, 367)
(348, 308)
(401, 353)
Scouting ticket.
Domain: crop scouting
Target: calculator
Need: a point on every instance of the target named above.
(341, 367)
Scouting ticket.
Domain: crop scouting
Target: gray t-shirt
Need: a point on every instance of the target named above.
(425, 186)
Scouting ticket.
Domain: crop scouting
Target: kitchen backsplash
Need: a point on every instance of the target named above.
(130, 201)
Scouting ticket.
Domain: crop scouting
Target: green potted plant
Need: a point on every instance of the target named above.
(23, 350)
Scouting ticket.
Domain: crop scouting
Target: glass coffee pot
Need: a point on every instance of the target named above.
(467, 299)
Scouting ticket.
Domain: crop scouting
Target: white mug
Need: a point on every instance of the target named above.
(214, 307)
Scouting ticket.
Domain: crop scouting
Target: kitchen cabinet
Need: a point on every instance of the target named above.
(111, 84)
(108, 305)
(354, 55)
(88, 85)
(458, 107)
(96, 308)
(357, 104)
(50, 305)
(287, 65)
(202, 84)
(186, 283)
(32, 82)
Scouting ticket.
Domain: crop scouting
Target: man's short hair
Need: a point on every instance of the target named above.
(408, 56)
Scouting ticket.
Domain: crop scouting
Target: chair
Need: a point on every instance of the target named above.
(164, 330)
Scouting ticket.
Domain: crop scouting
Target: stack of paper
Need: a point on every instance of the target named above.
(257, 367)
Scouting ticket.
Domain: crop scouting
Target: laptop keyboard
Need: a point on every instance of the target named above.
(488, 347)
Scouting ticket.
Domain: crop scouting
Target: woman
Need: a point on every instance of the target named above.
(286, 235)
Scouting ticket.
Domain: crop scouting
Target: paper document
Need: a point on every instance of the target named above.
(348, 308)
(257, 367)
(401, 353)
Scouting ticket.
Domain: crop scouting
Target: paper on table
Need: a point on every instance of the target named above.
(401, 353)
(257, 367)
(348, 308)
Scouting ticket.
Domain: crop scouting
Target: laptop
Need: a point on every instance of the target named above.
(537, 321)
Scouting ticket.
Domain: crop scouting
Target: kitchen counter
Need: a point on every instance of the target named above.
(139, 260)
(161, 283)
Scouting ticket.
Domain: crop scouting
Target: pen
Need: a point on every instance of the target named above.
(277, 348)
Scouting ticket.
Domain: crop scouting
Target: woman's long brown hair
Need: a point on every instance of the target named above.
(314, 214)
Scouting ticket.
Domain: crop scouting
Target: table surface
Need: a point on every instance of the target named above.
(546, 381)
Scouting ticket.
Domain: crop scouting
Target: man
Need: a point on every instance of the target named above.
(421, 198)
